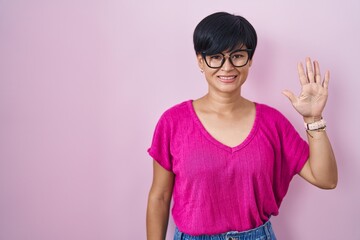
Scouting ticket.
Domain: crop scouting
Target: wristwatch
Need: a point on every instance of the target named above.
(321, 124)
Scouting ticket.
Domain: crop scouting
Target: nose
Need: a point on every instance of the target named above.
(227, 64)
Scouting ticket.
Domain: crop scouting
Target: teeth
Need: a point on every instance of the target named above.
(227, 78)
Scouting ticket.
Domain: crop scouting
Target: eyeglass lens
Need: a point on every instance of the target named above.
(238, 59)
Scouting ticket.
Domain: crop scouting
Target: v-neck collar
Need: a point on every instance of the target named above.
(217, 142)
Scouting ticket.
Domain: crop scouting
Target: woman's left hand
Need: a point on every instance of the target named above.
(314, 91)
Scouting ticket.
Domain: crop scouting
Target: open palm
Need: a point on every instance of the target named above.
(314, 91)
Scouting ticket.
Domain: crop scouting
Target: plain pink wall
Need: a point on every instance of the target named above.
(83, 83)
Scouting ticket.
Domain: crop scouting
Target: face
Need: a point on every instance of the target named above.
(227, 78)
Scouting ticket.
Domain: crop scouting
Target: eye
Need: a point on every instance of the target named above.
(216, 57)
(238, 55)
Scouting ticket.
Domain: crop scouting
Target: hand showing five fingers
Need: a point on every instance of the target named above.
(314, 91)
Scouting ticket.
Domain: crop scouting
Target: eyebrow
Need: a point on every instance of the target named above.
(236, 50)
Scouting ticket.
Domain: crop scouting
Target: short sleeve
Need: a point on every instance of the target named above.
(160, 147)
(295, 151)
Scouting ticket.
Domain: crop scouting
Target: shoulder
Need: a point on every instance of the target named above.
(268, 111)
(177, 112)
(175, 119)
(178, 109)
(271, 115)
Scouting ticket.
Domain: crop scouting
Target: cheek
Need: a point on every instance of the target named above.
(210, 74)
(244, 72)
(243, 76)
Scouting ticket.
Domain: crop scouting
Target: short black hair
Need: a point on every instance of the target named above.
(223, 31)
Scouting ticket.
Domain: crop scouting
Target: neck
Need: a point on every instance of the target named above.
(224, 103)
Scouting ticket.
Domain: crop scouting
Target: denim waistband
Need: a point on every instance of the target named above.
(263, 232)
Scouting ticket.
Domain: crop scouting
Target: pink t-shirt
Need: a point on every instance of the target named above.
(220, 188)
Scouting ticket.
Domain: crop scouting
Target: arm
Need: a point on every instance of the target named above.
(159, 199)
(320, 169)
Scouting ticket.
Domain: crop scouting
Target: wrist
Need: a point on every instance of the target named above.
(312, 119)
(319, 125)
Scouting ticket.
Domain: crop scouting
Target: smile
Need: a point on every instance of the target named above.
(227, 79)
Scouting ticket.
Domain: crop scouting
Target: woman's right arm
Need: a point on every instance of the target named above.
(157, 214)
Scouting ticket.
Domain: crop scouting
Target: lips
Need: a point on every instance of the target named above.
(227, 79)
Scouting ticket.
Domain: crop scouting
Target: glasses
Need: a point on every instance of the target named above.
(237, 58)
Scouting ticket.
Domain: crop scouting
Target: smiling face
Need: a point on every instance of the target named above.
(216, 38)
(227, 78)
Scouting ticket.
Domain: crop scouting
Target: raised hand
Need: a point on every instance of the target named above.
(314, 91)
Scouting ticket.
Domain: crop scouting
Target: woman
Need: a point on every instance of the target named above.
(227, 161)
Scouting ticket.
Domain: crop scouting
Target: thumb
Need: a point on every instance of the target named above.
(290, 96)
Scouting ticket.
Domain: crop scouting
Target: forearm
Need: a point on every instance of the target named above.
(322, 160)
(157, 217)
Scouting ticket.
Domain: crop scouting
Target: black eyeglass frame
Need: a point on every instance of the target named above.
(249, 51)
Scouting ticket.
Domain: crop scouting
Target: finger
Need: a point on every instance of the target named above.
(302, 77)
(317, 72)
(290, 96)
(309, 70)
(326, 80)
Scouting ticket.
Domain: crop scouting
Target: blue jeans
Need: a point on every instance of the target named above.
(264, 232)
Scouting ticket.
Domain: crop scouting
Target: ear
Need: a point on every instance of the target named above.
(200, 61)
(250, 62)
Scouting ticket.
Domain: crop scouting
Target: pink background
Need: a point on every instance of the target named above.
(83, 83)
